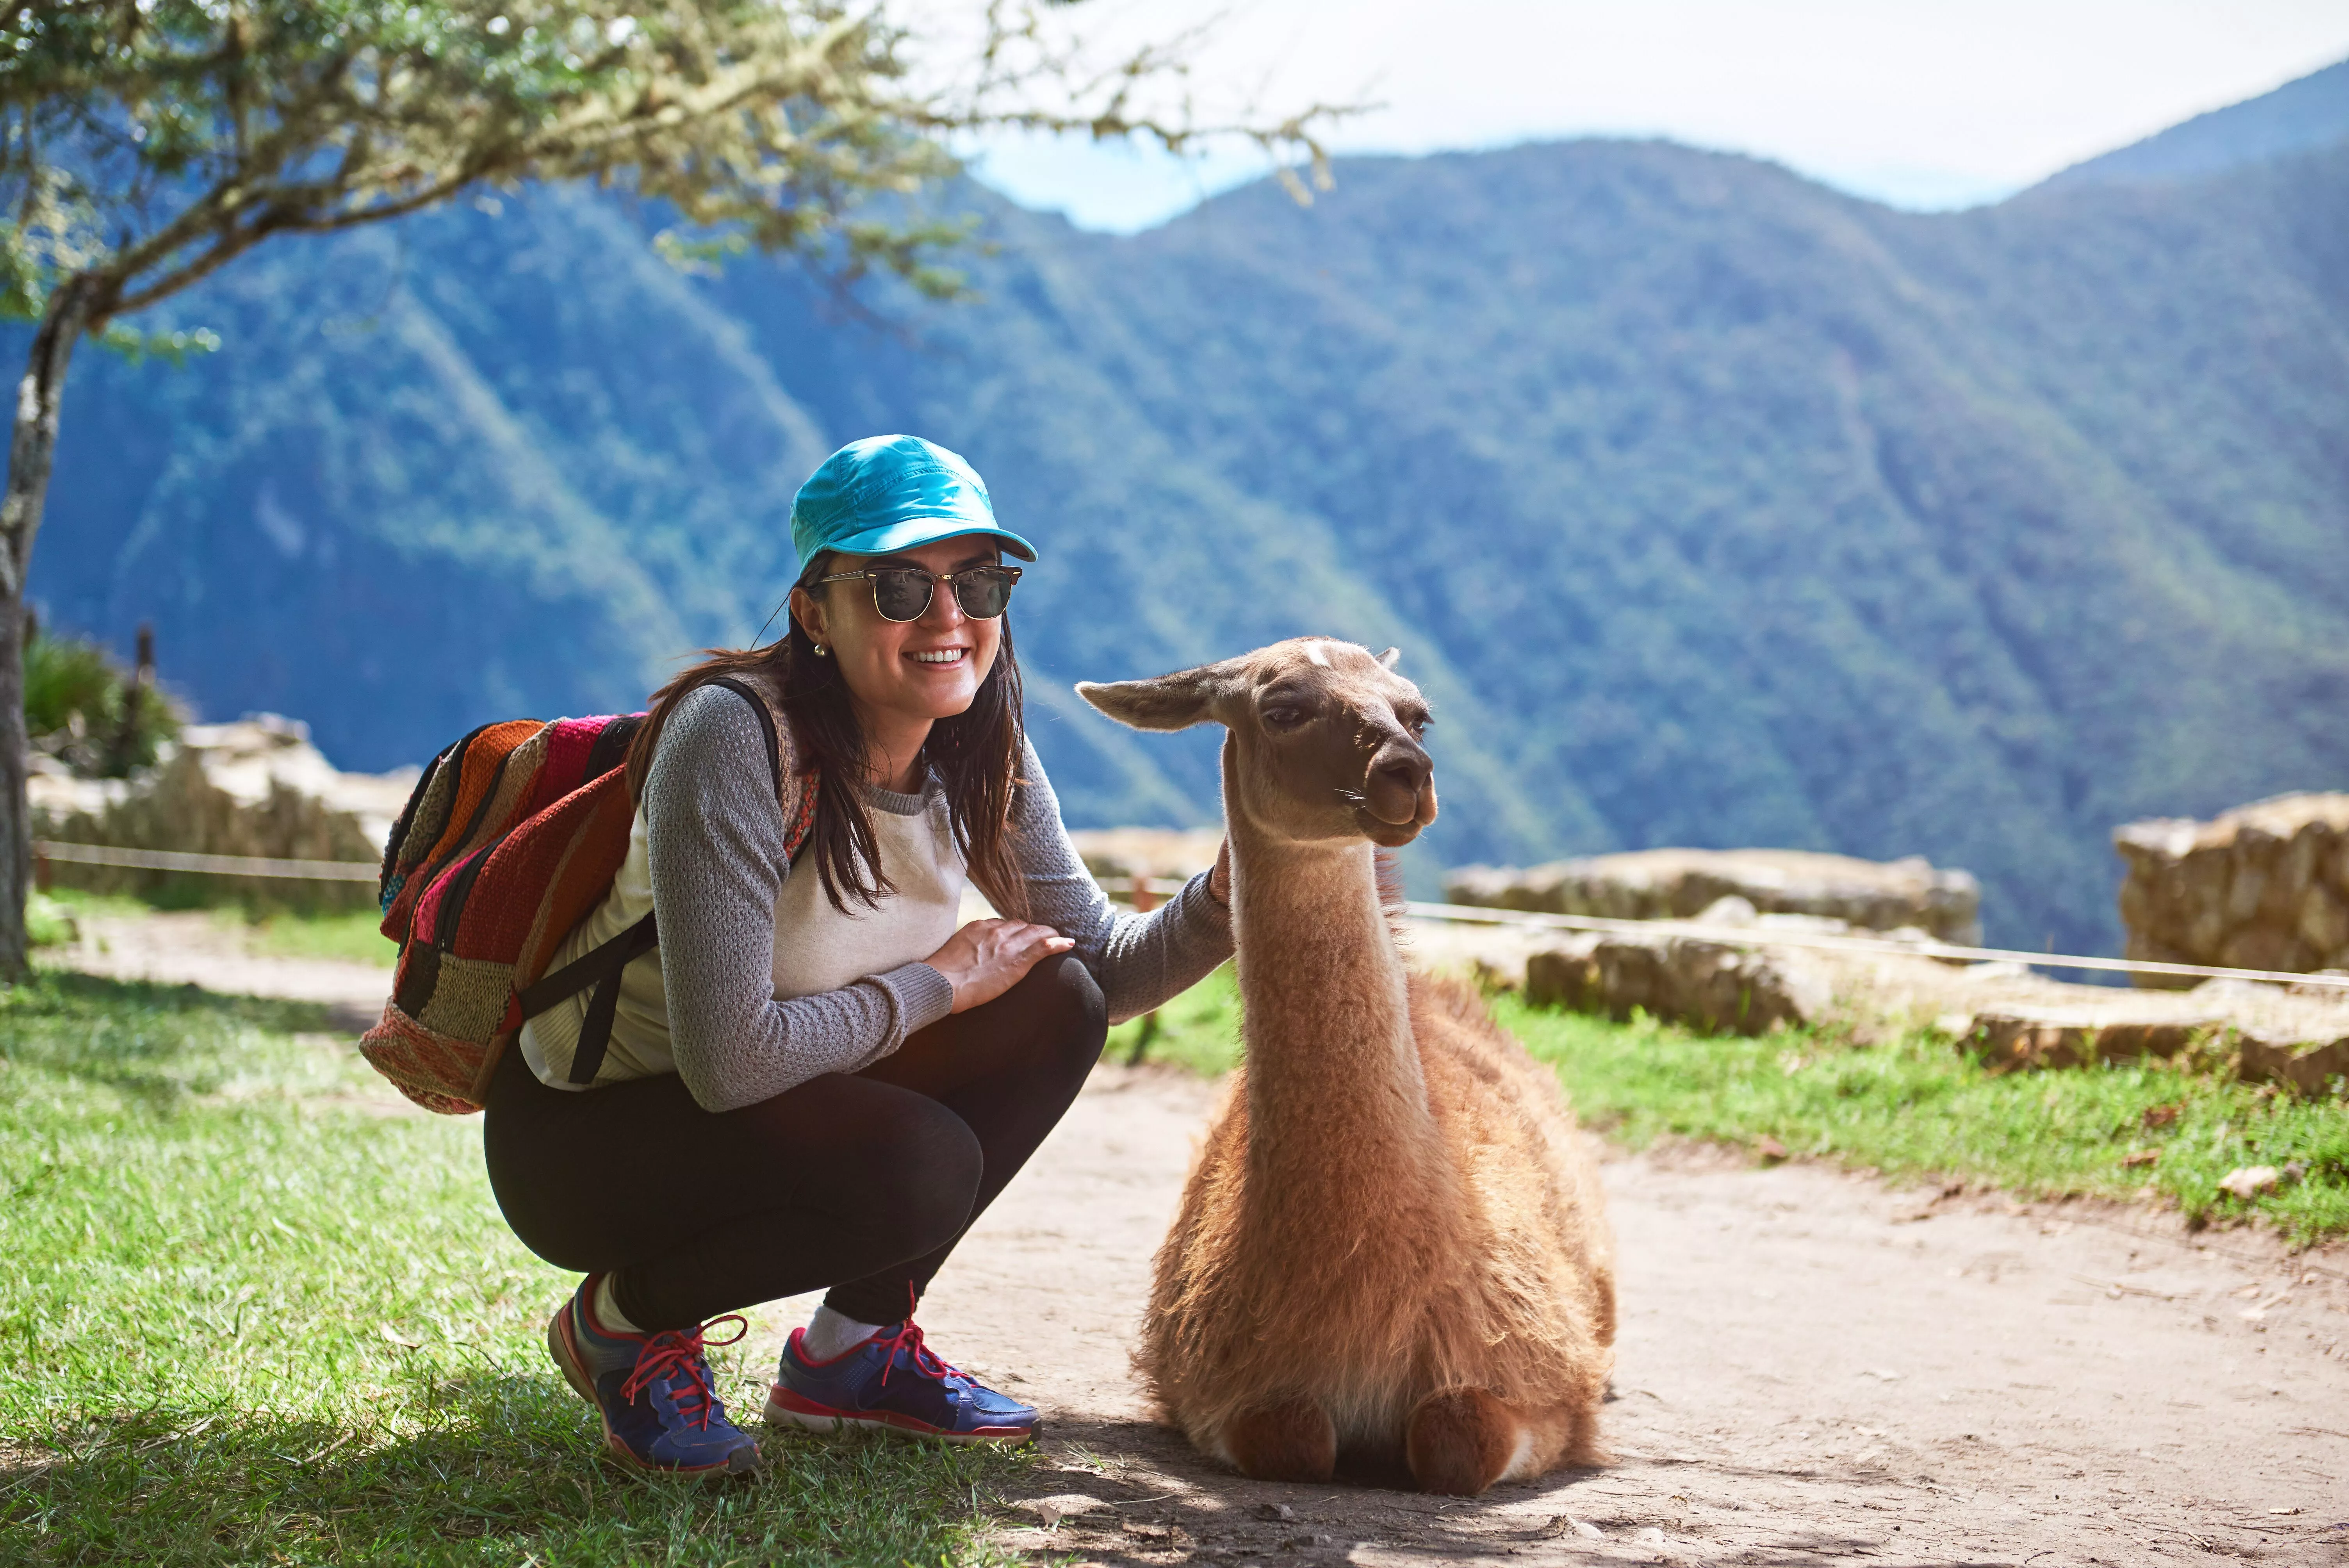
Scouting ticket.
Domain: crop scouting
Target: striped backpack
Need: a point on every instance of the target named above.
(511, 839)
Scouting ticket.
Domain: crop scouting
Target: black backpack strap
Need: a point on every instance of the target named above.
(600, 968)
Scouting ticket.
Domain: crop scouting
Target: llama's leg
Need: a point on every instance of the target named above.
(1461, 1440)
(1291, 1440)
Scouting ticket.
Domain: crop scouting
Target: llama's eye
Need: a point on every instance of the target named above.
(1284, 716)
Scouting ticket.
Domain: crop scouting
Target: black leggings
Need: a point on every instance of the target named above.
(862, 1182)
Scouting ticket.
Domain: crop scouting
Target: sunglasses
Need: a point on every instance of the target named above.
(904, 592)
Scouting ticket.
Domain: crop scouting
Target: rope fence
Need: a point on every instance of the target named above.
(213, 865)
(1824, 942)
(1741, 935)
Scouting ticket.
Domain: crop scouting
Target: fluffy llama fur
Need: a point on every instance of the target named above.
(1393, 1257)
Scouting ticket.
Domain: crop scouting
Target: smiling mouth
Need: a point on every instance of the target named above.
(940, 658)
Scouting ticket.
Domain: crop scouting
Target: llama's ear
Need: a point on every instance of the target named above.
(1390, 658)
(1171, 702)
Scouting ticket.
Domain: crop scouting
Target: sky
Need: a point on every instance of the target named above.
(1925, 104)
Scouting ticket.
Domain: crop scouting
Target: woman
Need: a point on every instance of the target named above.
(816, 1080)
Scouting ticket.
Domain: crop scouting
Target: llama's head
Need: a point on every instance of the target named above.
(1325, 736)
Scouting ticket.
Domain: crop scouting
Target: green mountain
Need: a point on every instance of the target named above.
(1712, 507)
(2297, 117)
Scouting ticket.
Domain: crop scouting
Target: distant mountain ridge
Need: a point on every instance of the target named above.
(2301, 115)
(1710, 506)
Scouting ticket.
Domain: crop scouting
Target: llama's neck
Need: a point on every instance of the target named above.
(1334, 1081)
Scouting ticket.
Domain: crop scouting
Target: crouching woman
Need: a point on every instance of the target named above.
(820, 1077)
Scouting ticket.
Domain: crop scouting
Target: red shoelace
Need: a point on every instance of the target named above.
(908, 1338)
(676, 1351)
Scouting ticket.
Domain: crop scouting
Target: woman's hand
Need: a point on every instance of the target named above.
(988, 958)
(1219, 880)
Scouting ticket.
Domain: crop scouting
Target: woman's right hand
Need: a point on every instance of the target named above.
(988, 958)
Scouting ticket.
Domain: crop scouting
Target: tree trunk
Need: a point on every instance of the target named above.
(31, 451)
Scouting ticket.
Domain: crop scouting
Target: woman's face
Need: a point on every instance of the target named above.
(911, 671)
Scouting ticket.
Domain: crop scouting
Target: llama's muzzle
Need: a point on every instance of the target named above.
(1400, 773)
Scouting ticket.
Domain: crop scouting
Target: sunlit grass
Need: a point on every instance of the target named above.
(355, 936)
(1920, 1106)
(1198, 1031)
(251, 1312)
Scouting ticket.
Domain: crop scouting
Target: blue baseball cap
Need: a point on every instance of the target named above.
(887, 493)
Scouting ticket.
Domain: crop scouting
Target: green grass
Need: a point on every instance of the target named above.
(48, 923)
(1918, 1108)
(1199, 1030)
(212, 1246)
(79, 901)
(355, 936)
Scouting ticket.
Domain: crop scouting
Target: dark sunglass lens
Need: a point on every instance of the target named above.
(901, 594)
(984, 595)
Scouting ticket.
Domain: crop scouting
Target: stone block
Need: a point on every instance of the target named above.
(2309, 1065)
(2264, 886)
(2023, 1037)
(1717, 986)
(1678, 884)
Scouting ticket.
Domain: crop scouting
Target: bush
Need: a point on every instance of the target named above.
(82, 708)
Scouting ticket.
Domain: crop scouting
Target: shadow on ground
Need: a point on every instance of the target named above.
(506, 1468)
(1127, 1493)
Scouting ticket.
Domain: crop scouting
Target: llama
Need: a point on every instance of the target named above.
(1393, 1257)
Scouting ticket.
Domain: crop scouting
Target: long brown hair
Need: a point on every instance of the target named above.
(975, 754)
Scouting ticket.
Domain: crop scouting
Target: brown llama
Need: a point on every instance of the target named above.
(1392, 1255)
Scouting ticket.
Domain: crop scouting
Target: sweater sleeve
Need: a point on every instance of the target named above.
(1141, 961)
(714, 839)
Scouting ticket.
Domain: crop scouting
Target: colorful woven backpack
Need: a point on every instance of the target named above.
(511, 839)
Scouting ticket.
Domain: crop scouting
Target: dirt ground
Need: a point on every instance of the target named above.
(1814, 1367)
(196, 947)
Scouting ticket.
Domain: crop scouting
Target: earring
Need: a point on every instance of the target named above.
(822, 652)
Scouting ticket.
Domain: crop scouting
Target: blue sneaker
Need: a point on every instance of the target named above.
(893, 1382)
(654, 1392)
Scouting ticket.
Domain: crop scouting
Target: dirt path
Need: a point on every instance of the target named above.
(196, 947)
(1814, 1367)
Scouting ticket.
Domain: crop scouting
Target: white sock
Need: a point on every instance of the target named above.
(607, 1308)
(830, 1334)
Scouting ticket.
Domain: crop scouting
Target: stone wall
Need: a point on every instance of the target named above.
(2264, 886)
(1680, 884)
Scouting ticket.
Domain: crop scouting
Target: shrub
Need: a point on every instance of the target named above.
(83, 710)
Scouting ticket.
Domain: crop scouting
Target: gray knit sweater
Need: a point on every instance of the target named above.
(715, 843)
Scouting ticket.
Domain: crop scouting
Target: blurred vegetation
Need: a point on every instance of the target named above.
(49, 922)
(89, 713)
